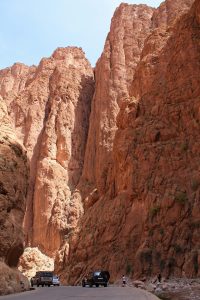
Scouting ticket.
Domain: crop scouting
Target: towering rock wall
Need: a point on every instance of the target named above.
(50, 106)
(163, 127)
(148, 215)
(60, 162)
(130, 26)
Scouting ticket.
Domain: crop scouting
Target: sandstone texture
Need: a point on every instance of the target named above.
(13, 190)
(142, 215)
(49, 106)
(113, 76)
(12, 281)
(114, 158)
(62, 148)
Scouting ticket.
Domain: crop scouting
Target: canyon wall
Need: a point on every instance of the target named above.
(14, 174)
(114, 157)
(49, 106)
(144, 218)
(13, 189)
(114, 72)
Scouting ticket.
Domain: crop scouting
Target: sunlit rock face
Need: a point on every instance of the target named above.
(49, 106)
(62, 149)
(130, 26)
(143, 216)
(13, 190)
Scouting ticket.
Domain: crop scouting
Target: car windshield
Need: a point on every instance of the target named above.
(46, 274)
(97, 273)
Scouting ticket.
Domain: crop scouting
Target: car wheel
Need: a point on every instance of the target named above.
(105, 285)
(97, 285)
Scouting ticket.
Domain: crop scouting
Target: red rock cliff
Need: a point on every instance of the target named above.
(113, 76)
(122, 179)
(13, 189)
(62, 149)
(50, 107)
(146, 208)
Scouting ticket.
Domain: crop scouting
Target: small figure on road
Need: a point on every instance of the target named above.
(22, 284)
(123, 280)
(159, 277)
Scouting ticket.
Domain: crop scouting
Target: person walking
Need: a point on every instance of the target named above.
(159, 277)
(123, 280)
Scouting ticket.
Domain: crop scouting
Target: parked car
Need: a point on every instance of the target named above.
(96, 278)
(42, 278)
(56, 280)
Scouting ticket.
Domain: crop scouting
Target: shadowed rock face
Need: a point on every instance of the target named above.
(13, 189)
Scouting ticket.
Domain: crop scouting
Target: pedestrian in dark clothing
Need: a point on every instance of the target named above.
(123, 280)
(159, 277)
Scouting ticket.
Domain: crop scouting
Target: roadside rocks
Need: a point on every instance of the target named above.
(12, 280)
(175, 288)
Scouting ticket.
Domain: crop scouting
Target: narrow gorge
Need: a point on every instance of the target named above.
(100, 167)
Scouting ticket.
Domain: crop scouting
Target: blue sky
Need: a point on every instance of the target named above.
(32, 29)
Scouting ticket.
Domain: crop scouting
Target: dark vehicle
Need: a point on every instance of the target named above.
(96, 278)
(42, 278)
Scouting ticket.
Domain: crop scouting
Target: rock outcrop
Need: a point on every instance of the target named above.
(12, 280)
(13, 189)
